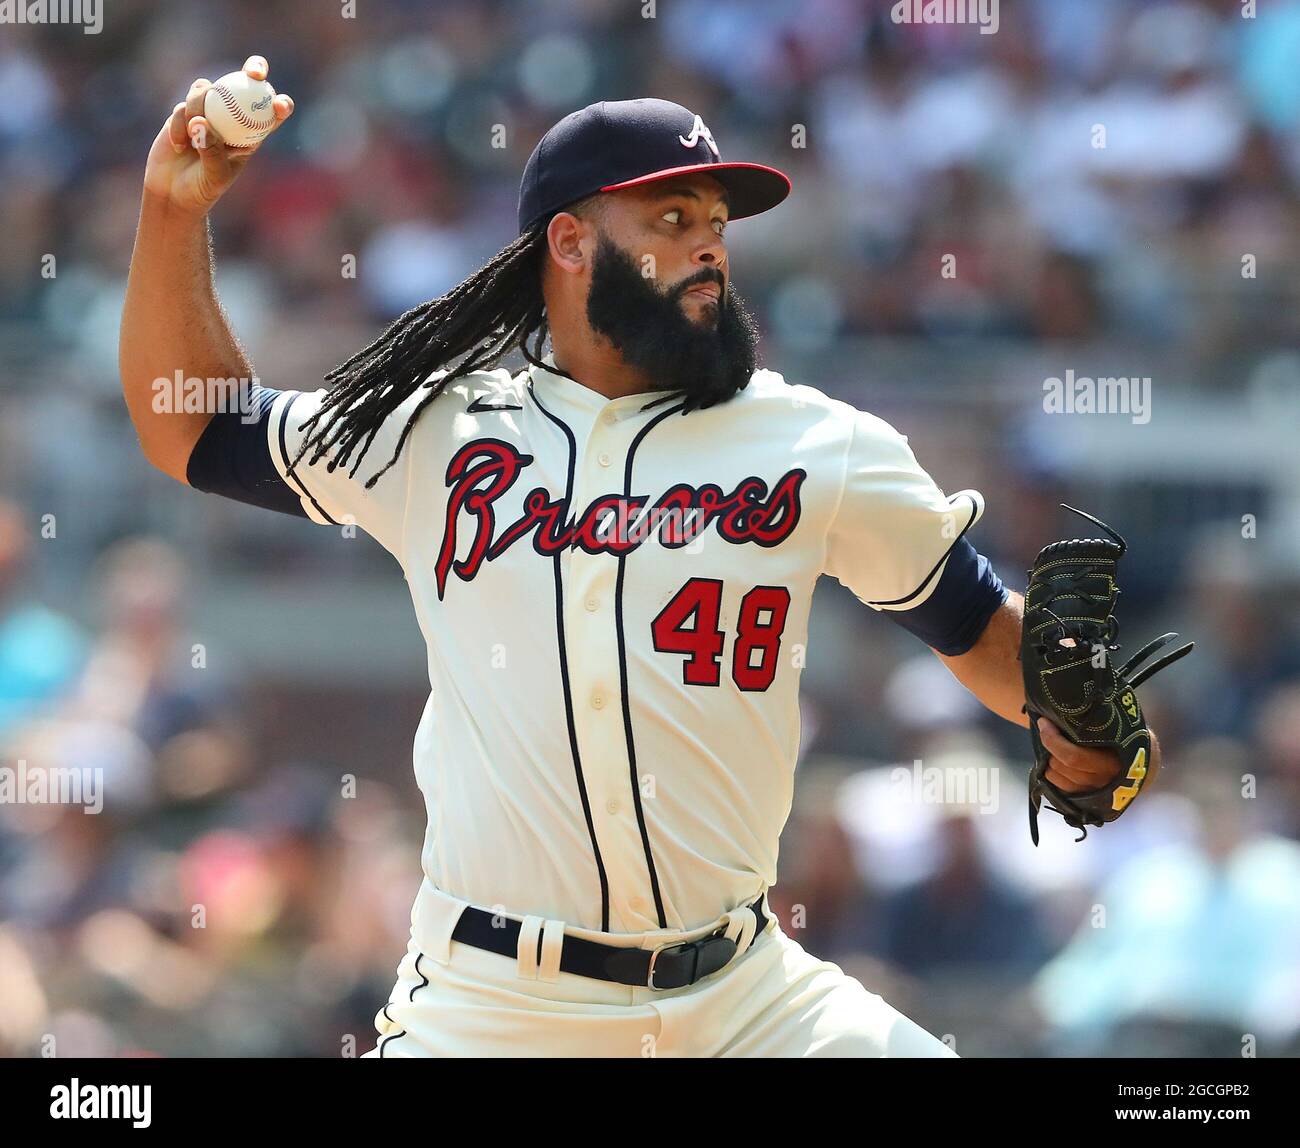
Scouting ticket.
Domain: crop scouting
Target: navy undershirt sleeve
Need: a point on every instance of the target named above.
(233, 459)
(953, 617)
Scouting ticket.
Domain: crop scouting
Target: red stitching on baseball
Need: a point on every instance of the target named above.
(240, 116)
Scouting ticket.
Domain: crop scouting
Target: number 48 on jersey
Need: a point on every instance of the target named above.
(689, 625)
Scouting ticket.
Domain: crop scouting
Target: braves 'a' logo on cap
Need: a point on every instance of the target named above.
(700, 132)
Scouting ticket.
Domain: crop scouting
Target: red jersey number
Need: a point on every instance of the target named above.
(689, 625)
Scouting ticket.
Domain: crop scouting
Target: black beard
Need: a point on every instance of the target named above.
(652, 332)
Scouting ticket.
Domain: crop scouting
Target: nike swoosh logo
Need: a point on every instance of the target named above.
(477, 407)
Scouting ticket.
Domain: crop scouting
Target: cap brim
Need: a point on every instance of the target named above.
(751, 187)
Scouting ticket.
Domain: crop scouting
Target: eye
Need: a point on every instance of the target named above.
(720, 225)
(675, 213)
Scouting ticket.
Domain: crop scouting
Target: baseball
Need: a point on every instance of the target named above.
(239, 107)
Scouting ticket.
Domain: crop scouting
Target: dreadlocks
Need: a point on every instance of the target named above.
(496, 310)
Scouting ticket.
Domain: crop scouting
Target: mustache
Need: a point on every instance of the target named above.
(701, 277)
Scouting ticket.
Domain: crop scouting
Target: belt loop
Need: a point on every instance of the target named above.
(433, 920)
(529, 933)
(552, 944)
(742, 924)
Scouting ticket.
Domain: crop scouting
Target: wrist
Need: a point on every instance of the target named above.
(1154, 768)
(160, 209)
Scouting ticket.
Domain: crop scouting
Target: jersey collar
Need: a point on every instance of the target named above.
(552, 386)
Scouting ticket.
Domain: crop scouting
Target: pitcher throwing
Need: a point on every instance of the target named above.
(612, 554)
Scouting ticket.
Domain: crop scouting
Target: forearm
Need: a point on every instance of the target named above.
(172, 321)
(991, 668)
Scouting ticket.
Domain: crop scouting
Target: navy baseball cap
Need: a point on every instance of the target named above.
(621, 143)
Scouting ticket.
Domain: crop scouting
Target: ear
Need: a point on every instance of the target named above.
(571, 241)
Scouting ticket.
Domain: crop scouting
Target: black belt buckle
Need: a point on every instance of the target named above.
(697, 950)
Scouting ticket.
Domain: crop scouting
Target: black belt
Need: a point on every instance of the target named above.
(671, 966)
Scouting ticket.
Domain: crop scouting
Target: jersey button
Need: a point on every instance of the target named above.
(592, 605)
(598, 701)
(609, 418)
(612, 805)
(604, 459)
(637, 903)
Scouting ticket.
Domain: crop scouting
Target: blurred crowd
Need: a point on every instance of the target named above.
(245, 890)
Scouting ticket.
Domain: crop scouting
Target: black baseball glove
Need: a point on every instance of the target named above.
(1070, 631)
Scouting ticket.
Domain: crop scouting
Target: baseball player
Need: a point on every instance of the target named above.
(611, 554)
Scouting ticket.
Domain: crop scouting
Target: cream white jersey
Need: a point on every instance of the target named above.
(615, 595)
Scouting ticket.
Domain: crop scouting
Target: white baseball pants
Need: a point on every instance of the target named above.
(772, 1000)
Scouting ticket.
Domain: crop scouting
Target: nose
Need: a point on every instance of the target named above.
(712, 252)
(715, 263)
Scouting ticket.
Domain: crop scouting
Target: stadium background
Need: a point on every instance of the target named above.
(225, 667)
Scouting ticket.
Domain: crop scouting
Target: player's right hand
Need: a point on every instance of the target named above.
(189, 166)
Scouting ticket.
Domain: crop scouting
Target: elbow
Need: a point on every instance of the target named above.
(171, 461)
(160, 437)
(162, 453)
